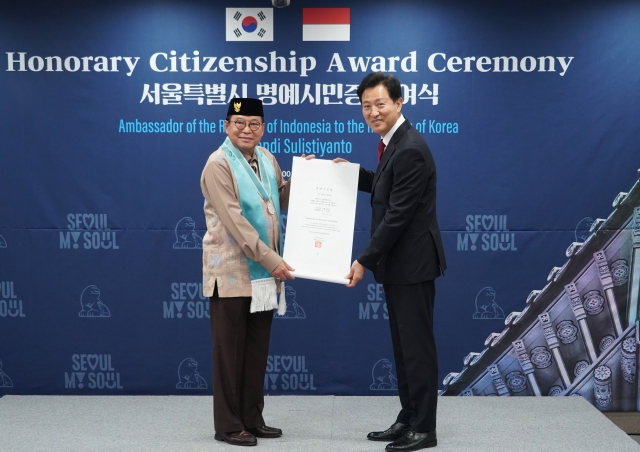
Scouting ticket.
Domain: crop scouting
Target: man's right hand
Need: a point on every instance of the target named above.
(339, 160)
(283, 271)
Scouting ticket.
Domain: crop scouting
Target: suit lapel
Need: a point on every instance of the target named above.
(389, 151)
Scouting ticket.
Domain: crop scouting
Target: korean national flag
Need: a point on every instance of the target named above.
(249, 24)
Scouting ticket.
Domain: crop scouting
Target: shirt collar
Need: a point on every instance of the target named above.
(251, 157)
(387, 137)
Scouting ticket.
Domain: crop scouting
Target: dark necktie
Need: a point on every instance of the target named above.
(254, 166)
(381, 147)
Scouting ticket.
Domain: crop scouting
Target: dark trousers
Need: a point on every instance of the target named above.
(414, 349)
(240, 350)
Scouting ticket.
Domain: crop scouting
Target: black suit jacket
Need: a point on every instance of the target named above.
(405, 245)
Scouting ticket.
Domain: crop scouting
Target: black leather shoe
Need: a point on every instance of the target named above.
(265, 432)
(243, 438)
(391, 434)
(413, 441)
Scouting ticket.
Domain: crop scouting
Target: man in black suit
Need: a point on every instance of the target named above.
(405, 254)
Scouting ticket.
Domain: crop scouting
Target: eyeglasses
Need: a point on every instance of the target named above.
(240, 124)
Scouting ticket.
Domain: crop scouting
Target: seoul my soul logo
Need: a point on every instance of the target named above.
(88, 231)
(488, 233)
(10, 305)
(92, 371)
(288, 373)
(375, 308)
(187, 301)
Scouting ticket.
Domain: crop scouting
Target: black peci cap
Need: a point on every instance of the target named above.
(246, 107)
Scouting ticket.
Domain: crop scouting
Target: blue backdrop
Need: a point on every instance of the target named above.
(529, 148)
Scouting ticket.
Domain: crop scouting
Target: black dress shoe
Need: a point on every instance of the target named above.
(243, 438)
(413, 441)
(265, 432)
(391, 434)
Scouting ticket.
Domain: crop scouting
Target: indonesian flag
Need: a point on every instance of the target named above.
(249, 24)
(326, 24)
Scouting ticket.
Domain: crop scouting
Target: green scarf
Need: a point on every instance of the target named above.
(253, 192)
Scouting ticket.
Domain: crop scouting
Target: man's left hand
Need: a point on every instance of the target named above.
(355, 274)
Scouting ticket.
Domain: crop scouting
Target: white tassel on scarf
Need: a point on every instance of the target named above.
(263, 295)
(282, 306)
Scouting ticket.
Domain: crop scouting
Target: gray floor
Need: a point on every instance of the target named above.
(155, 424)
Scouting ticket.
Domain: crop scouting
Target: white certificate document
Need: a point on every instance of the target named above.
(321, 218)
